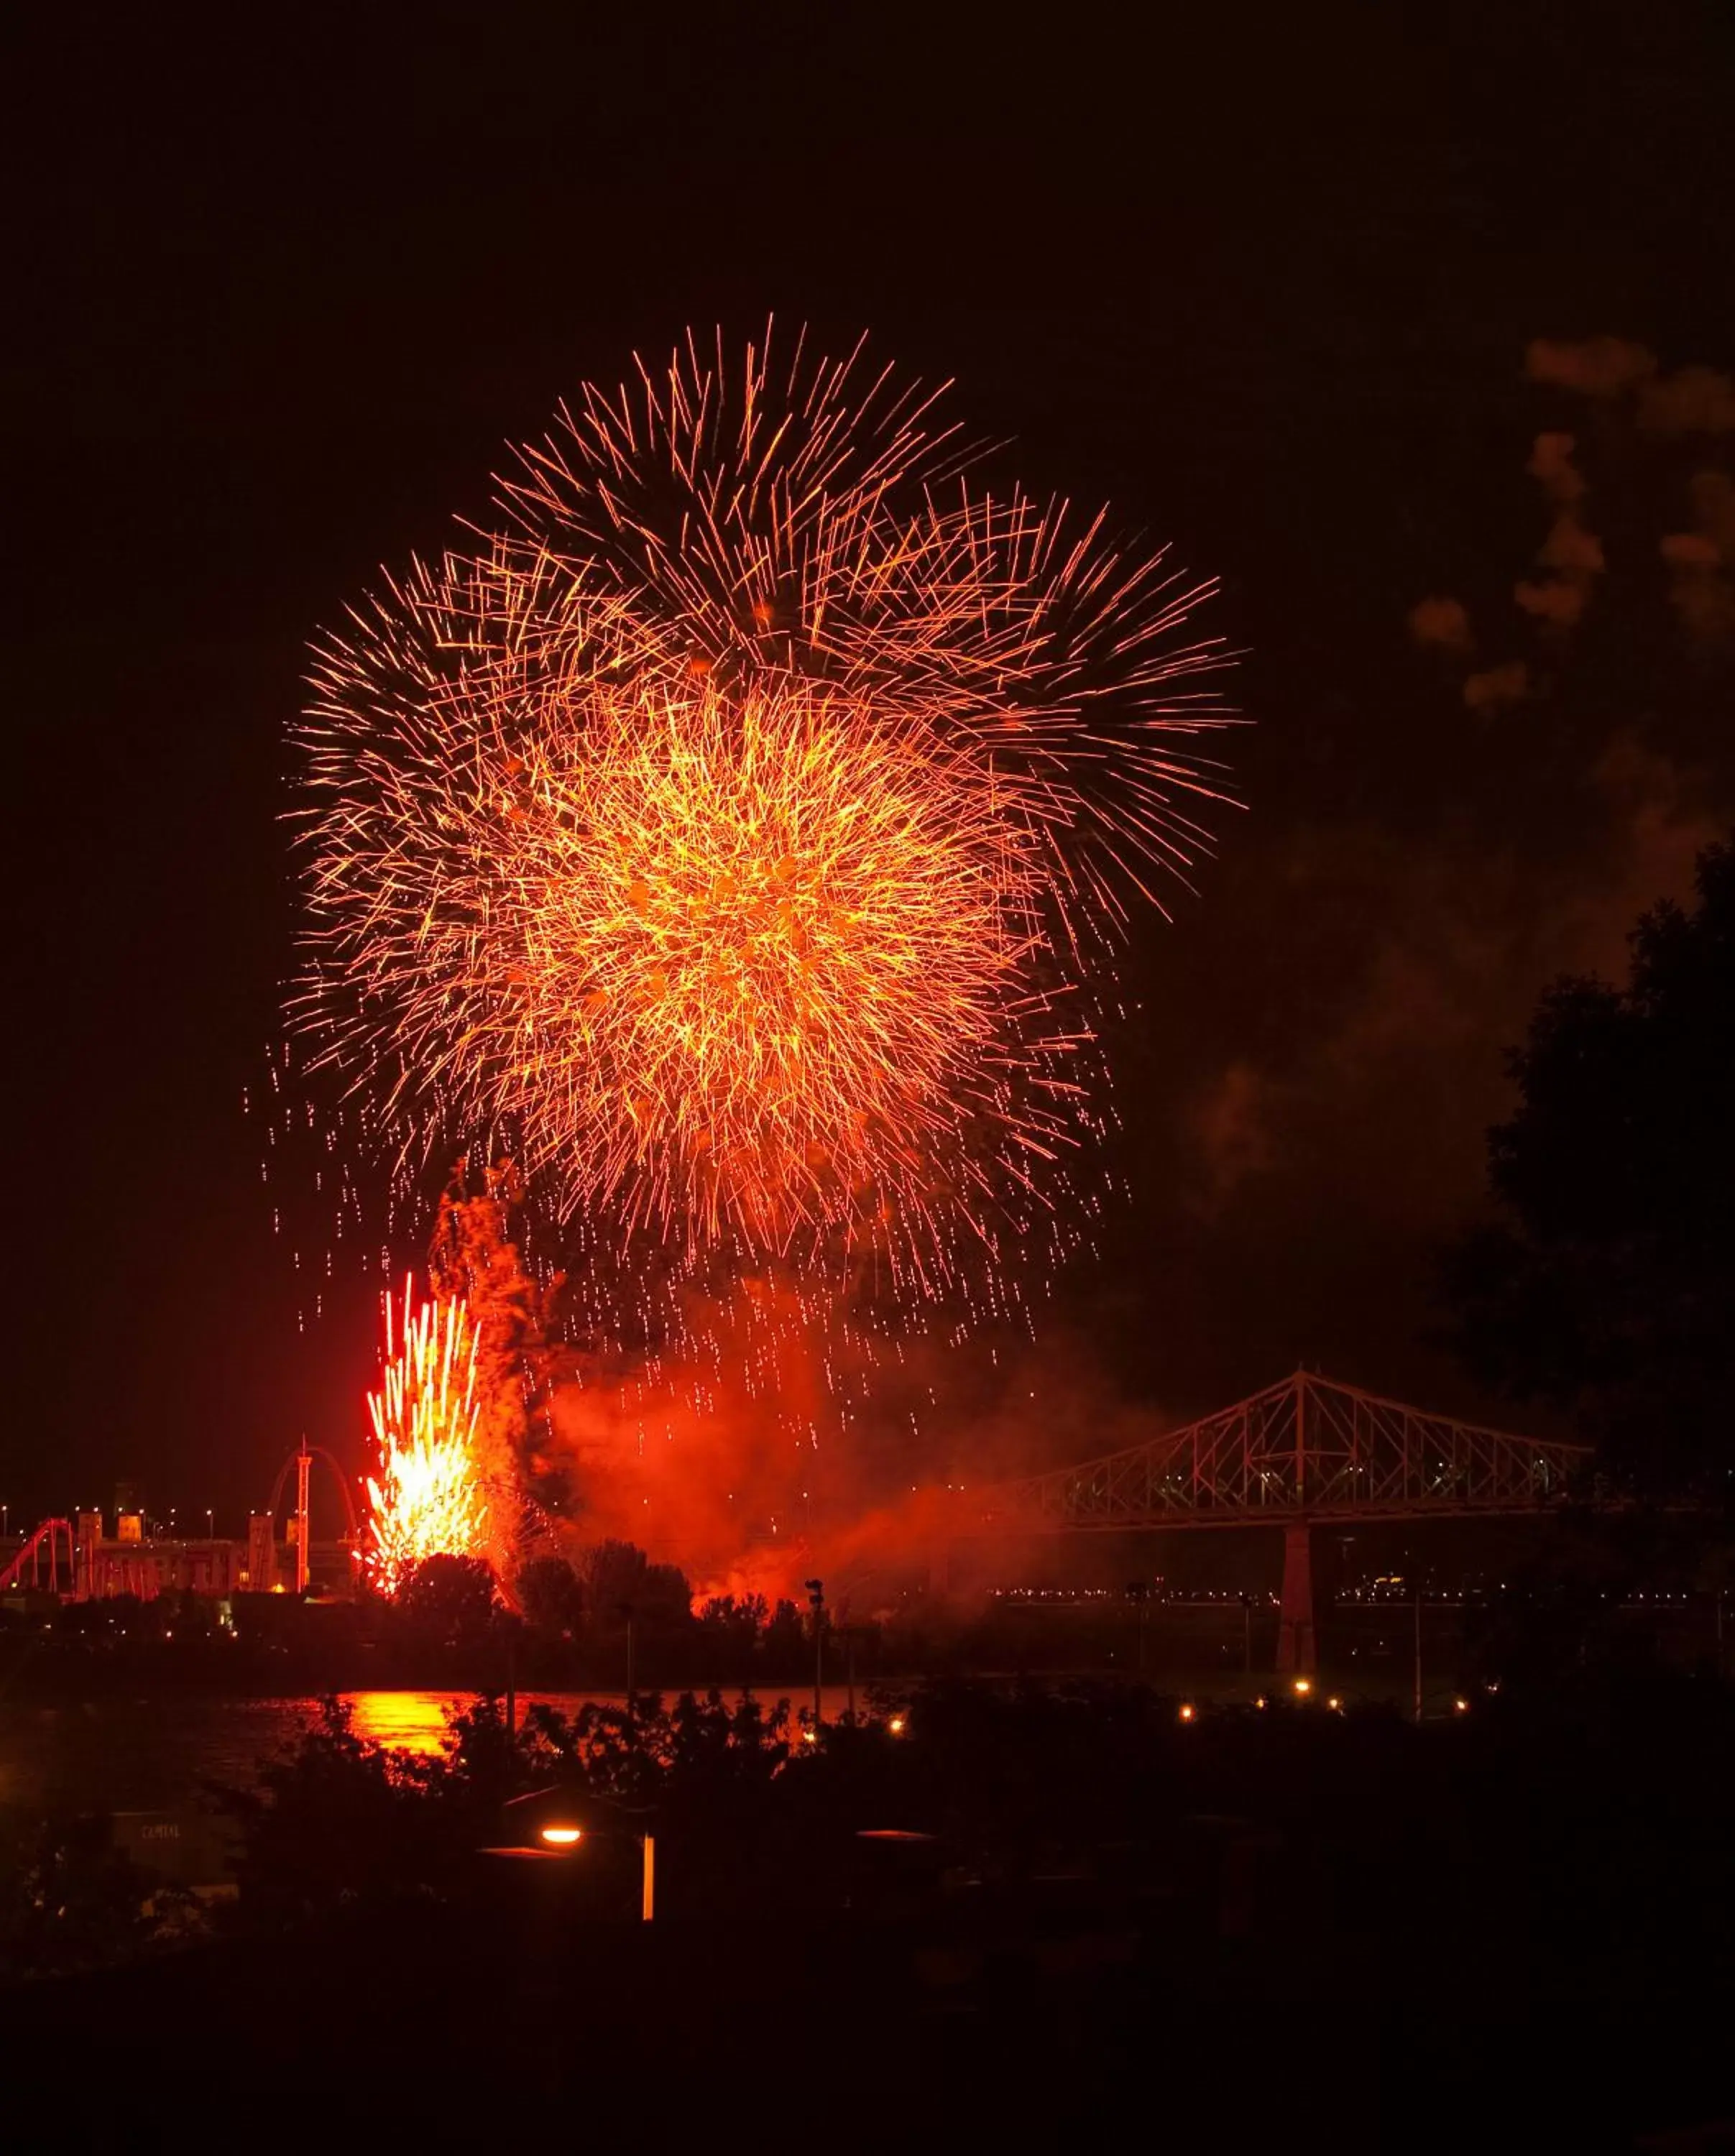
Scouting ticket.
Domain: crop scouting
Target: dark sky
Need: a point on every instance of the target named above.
(282, 285)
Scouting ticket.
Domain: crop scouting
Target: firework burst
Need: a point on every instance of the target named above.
(736, 837)
(424, 1499)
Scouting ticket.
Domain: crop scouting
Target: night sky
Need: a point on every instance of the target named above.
(282, 286)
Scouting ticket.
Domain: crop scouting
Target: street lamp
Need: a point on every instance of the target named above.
(565, 1823)
(210, 1533)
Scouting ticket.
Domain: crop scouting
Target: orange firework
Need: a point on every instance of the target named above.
(738, 836)
(425, 1499)
(769, 944)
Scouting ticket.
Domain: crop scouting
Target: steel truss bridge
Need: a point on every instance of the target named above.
(1303, 1453)
(1306, 1448)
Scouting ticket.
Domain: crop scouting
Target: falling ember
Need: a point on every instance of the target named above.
(425, 1499)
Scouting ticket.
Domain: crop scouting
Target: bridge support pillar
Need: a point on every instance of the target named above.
(1296, 1647)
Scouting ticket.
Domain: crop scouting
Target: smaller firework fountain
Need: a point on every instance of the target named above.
(426, 1499)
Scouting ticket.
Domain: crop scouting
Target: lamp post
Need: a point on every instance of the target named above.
(816, 1597)
(303, 1463)
(1419, 1652)
(556, 1823)
(1138, 1593)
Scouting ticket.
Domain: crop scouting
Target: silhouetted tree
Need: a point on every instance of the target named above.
(729, 1630)
(335, 1818)
(69, 1900)
(449, 1597)
(1610, 1287)
(552, 1597)
(787, 1649)
(618, 1575)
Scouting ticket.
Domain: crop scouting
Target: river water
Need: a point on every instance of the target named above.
(144, 1754)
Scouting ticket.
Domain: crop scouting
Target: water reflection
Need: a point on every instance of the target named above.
(140, 1753)
(416, 1721)
(408, 1721)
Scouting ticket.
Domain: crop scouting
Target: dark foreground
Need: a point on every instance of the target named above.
(1075, 2025)
(1221, 1930)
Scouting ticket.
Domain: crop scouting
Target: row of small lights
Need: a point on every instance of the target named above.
(84, 1512)
(896, 1725)
(1301, 1688)
(1230, 1594)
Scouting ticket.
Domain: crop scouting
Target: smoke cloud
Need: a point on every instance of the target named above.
(1597, 366)
(1396, 1077)
(1571, 553)
(1229, 1127)
(1637, 396)
(1696, 401)
(1442, 623)
(1497, 687)
(1701, 563)
(1550, 464)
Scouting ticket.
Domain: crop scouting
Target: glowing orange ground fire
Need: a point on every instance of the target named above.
(424, 1500)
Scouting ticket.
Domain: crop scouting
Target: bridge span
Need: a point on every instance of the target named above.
(1306, 1452)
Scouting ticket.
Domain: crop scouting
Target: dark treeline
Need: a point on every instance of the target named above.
(1621, 1585)
(616, 1613)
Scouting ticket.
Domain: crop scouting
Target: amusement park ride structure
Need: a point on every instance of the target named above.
(301, 1464)
(1304, 1453)
(76, 1560)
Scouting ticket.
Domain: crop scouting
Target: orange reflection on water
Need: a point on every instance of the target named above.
(408, 1721)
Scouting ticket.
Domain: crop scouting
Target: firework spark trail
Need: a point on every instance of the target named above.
(425, 1499)
(788, 936)
(741, 835)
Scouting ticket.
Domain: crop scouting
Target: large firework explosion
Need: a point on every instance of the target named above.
(740, 835)
(425, 1498)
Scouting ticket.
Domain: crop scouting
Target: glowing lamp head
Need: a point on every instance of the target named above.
(1188, 1711)
(896, 1725)
(1303, 1686)
(562, 1837)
